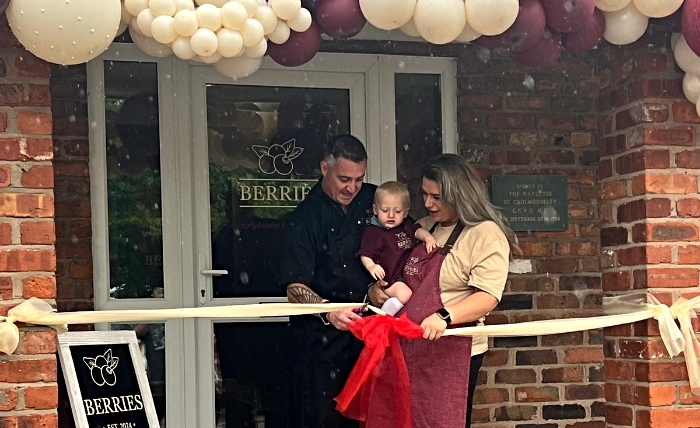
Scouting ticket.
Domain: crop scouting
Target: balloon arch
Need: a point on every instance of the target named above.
(235, 35)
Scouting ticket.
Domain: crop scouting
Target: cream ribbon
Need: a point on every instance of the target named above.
(621, 310)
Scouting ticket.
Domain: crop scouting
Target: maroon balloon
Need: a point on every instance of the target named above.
(3, 5)
(525, 32)
(566, 16)
(310, 5)
(587, 37)
(299, 49)
(544, 54)
(690, 18)
(340, 19)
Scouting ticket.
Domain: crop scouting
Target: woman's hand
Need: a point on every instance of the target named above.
(341, 319)
(433, 327)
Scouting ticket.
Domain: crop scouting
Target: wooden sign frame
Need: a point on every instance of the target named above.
(70, 340)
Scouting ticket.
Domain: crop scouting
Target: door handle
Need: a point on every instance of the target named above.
(213, 272)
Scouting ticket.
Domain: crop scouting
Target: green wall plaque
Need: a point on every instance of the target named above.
(532, 202)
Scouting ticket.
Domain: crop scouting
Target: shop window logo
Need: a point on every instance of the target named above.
(277, 158)
(102, 368)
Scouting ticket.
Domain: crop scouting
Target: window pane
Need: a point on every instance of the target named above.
(418, 130)
(133, 180)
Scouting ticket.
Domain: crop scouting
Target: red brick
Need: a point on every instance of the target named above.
(555, 121)
(616, 281)
(532, 394)
(605, 169)
(38, 232)
(34, 123)
(684, 112)
(526, 103)
(26, 205)
(672, 277)
(688, 207)
(577, 249)
(42, 287)
(659, 372)
(510, 120)
(656, 395)
(5, 176)
(668, 231)
(27, 65)
(8, 399)
(27, 260)
(618, 415)
(491, 395)
(584, 392)
(558, 301)
(38, 177)
(44, 397)
(670, 136)
(480, 102)
(49, 420)
(40, 148)
(20, 371)
(72, 169)
(9, 149)
(536, 249)
(619, 370)
(664, 184)
(6, 288)
(80, 270)
(12, 94)
(565, 374)
(581, 139)
(37, 95)
(687, 397)
(642, 160)
(689, 255)
(688, 159)
(667, 418)
(5, 234)
(642, 113)
(584, 355)
(39, 342)
(3, 121)
(612, 190)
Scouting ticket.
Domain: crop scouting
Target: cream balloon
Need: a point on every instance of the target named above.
(674, 39)
(256, 51)
(410, 29)
(217, 3)
(611, 5)
(230, 43)
(657, 8)
(691, 87)
(233, 15)
(144, 21)
(267, 18)
(686, 58)
(65, 33)
(134, 7)
(163, 29)
(162, 7)
(252, 33)
(209, 17)
(122, 27)
(204, 42)
(388, 14)
(182, 48)
(697, 107)
(301, 22)
(184, 5)
(491, 17)
(251, 6)
(281, 33)
(468, 34)
(148, 45)
(441, 21)
(285, 9)
(126, 16)
(211, 59)
(238, 68)
(186, 22)
(625, 26)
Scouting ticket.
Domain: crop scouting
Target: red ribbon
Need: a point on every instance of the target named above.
(381, 356)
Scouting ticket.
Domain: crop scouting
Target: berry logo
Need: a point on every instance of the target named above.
(277, 158)
(102, 368)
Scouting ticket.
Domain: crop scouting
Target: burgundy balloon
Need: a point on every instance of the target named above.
(566, 16)
(299, 49)
(525, 32)
(587, 37)
(690, 19)
(311, 5)
(3, 5)
(544, 54)
(340, 19)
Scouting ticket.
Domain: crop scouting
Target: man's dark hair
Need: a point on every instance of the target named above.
(344, 146)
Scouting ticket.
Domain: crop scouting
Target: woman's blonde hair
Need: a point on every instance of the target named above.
(463, 191)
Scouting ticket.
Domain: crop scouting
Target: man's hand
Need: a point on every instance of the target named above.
(376, 293)
(341, 319)
(433, 327)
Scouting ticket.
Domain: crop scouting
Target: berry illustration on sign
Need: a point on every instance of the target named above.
(102, 368)
(277, 158)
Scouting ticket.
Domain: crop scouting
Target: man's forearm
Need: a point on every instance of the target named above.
(300, 293)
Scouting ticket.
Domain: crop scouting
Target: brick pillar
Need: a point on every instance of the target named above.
(28, 391)
(650, 160)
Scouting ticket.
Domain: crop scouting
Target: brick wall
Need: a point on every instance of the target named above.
(28, 391)
(650, 161)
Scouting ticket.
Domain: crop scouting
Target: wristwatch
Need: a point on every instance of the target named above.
(444, 315)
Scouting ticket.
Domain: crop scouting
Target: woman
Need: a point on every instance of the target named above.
(452, 287)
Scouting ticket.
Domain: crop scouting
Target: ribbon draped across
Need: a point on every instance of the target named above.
(381, 356)
(621, 310)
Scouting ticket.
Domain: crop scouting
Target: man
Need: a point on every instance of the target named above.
(320, 263)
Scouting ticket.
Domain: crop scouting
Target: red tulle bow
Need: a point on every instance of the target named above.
(381, 356)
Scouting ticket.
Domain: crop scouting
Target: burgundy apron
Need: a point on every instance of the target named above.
(438, 370)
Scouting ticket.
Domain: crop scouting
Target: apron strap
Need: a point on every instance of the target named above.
(459, 227)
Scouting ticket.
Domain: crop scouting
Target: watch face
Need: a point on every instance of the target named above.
(443, 313)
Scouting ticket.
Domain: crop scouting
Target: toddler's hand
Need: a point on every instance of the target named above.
(431, 244)
(377, 272)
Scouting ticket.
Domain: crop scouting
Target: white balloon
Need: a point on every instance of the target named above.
(211, 59)
(204, 42)
(625, 26)
(186, 22)
(611, 5)
(162, 7)
(686, 58)
(163, 29)
(182, 48)
(491, 17)
(233, 15)
(217, 3)
(184, 5)
(256, 51)
(252, 33)
(251, 6)
(144, 21)
(440, 22)
(410, 29)
(285, 9)
(468, 34)
(65, 33)
(148, 45)
(657, 8)
(388, 14)
(301, 22)
(238, 68)
(674, 39)
(267, 18)
(691, 87)
(134, 7)
(122, 27)
(281, 33)
(209, 17)
(230, 43)
(126, 16)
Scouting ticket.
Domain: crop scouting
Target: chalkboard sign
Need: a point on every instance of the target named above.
(106, 380)
(532, 202)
